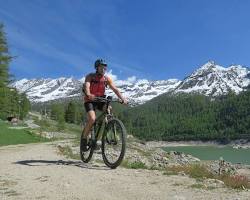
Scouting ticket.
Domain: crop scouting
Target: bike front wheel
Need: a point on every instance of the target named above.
(114, 143)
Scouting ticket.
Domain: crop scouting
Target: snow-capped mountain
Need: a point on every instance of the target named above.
(213, 80)
(210, 79)
(42, 90)
(140, 91)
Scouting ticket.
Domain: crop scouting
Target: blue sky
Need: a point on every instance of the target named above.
(154, 39)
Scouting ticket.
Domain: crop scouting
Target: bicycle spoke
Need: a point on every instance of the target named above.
(114, 143)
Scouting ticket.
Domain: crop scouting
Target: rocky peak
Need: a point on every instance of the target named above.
(210, 79)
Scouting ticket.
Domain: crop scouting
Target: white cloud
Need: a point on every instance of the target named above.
(112, 76)
(132, 79)
(128, 81)
(118, 82)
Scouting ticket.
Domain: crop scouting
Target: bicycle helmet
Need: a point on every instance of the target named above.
(100, 62)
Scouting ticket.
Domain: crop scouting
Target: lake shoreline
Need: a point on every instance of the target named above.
(179, 146)
(241, 143)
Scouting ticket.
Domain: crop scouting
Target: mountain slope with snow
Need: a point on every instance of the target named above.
(209, 79)
(214, 80)
(42, 90)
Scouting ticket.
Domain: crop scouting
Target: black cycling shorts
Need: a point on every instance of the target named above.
(93, 105)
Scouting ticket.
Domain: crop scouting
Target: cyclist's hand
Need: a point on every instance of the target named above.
(124, 101)
(91, 97)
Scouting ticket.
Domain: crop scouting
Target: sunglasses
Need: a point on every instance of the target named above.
(103, 66)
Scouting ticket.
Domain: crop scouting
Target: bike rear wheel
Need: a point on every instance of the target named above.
(114, 143)
(86, 155)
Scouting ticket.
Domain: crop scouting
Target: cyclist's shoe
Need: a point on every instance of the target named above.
(84, 144)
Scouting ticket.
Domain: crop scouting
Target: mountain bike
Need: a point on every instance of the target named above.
(112, 133)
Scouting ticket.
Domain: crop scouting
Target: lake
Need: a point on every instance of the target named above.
(215, 152)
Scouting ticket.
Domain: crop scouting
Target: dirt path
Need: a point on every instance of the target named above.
(31, 124)
(36, 171)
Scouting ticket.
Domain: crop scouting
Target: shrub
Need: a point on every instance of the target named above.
(236, 181)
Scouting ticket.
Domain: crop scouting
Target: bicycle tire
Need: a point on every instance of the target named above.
(86, 155)
(123, 134)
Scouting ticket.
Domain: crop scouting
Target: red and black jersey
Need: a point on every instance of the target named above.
(98, 83)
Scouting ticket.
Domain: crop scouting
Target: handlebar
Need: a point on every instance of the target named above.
(106, 100)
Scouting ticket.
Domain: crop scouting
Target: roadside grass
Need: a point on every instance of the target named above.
(236, 181)
(198, 186)
(17, 136)
(52, 126)
(200, 172)
(145, 153)
(133, 165)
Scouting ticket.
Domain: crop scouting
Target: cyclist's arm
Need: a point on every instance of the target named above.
(86, 88)
(117, 92)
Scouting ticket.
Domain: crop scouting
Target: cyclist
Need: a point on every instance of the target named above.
(94, 86)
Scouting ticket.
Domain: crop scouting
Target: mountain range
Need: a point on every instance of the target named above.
(210, 79)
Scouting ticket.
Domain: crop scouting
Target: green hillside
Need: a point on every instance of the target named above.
(190, 117)
(10, 136)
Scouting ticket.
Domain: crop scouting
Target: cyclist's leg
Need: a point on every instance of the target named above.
(90, 109)
(90, 121)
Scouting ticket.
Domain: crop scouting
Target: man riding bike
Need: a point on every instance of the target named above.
(94, 86)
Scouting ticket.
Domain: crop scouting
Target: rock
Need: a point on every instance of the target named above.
(214, 183)
(182, 173)
(130, 136)
(221, 167)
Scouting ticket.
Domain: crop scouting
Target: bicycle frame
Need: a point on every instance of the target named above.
(102, 119)
(99, 123)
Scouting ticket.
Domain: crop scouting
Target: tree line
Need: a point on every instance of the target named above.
(179, 117)
(13, 104)
(62, 111)
(68, 111)
(190, 117)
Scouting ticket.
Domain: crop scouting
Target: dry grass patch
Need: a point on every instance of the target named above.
(194, 171)
(236, 181)
(200, 172)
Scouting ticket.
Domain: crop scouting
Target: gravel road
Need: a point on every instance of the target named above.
(37, 171)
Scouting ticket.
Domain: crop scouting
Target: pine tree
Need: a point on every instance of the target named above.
(9, 98)
(54, 111)
(71, 113)
(60, 117)
(5, 59)
(23, 105)
(3, 102)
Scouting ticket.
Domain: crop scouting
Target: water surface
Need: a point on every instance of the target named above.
(215, 152)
